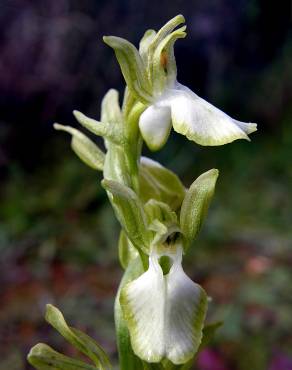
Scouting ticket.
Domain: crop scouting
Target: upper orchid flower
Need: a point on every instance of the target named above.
(170, 104)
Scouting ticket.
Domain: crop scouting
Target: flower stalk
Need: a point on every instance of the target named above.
(159, 311)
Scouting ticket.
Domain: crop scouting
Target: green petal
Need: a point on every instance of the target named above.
(164, 313)
(85, 149)
(196, 203)
(201, 122)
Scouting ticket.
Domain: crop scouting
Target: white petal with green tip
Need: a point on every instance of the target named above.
(201, 122)
(165, 313)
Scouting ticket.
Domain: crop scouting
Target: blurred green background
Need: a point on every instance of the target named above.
(58, 235)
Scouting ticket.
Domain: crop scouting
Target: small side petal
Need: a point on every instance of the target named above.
(203, 123)
(155, 126)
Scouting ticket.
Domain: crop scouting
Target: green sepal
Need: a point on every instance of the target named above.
(108, 131)
(132, 67)
(196, 203)
(43, 357)
(110, 108)
(127, 252)
(145, 43)
(129, 211)
(84, 148)
(166, 29)
(160, 211)
(79, 340)
(161, 184)
(160, 36)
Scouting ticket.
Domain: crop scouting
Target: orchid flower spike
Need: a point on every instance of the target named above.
(164, 312)
(175, 105)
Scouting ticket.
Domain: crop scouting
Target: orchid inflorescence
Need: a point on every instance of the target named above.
(159, 311)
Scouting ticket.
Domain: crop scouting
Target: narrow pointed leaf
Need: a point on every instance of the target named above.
(132, 67)
(43, 357)
(196, 203)
(78, 339)
(111, 132)
(85, 149)
(130, 213)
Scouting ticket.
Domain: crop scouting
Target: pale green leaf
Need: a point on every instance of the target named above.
(85, 149)
(196, 203)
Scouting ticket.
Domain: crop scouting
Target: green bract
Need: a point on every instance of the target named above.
(159, 311)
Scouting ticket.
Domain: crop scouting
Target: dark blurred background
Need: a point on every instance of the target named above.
(58, 235)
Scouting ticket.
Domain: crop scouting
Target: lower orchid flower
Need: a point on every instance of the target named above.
(165, 312)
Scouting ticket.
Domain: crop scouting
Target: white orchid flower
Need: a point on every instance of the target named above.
(164, 313)
(192, 116)
(175, 105)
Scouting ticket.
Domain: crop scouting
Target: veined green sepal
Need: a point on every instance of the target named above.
(129, 211)
(196, 203)
(132, 67)
(85, 149)
(145, 43)
(159, 183)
